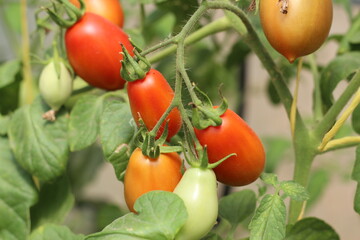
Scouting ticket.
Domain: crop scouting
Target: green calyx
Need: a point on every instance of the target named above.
(205, 115)
(202, 159)
(73, 13)
(152, 147)
(134, 68)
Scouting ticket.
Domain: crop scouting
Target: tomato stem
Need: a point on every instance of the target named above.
(216, 26)
(295, 99)
(330, 117)
(27, 86)
(340, 122)
(344, 142)
(318, 112)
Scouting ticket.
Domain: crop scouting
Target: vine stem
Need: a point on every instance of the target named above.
(295, 100)
(330, 117)
(216, 26)
(340, 122)
(344, 142)
(27, 88)
(318, 112)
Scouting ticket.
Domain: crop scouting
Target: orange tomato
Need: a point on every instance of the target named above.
(144, 174)
(296, 28)
(109, 9)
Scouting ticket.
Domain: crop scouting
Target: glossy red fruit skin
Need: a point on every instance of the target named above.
(93, 49)
(149, 98)
(109, 9)
(233, 136)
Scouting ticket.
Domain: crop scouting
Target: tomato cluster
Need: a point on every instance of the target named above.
(93, 45)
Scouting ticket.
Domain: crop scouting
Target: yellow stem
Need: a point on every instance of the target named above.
(340, 122)
(295, 99)
(342, 142)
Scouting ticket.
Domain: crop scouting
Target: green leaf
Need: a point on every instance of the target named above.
(294, 190)
(55, 201)
(160, 216)
(107, 213)
(347, 42)
(338, 69)
(12, 14)
(116, 134)
(4, 124)
(270, 178)
(17, 194)
(312, 229)
(8, 72)
(237, 206)
(84, 121)
(9, 96)
(355, 119)
(40, 146)
(83, 166)
(54, 232)
(269, 219)
(319, 180)
(182, 9)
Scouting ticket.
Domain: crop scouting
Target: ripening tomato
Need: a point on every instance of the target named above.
(233, 136)
(296, 28)
(144, 174)
(93, 49)
(109, 9)
(149, 98)
(198, 190)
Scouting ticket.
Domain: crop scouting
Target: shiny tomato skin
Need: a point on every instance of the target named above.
(149, 98)
(300, 31)
(93, 49)
(233, 136)
(109, 9)
(144, 174)
(198, 190)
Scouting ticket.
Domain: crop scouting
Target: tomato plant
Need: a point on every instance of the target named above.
(145, 174)
(97, 171)
(93, 49)
(109, 9)
(150, 107)
(296, 28)
(233, 136)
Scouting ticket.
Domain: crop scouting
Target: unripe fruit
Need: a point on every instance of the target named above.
(55, 84)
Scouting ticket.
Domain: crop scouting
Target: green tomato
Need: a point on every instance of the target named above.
(55, 84)
(198, 189)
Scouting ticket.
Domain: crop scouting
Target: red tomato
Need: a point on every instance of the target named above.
(144, 174)
(296, 28)
(109, 9)
(93, 49)
(233, 136)
(150, 97)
